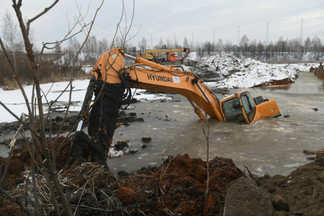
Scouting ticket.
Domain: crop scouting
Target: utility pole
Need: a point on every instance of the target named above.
(301, 31)
(238, 35)
(174, 38)
(267, 35)
(300, 50)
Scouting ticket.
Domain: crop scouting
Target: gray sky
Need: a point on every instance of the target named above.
(193, 19)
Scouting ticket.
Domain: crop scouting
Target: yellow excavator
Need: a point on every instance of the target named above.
(112, 81)
(165, 55)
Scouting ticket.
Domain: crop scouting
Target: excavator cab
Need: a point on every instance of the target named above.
(242, 107)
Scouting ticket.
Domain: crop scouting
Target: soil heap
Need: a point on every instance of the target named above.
(180, 186)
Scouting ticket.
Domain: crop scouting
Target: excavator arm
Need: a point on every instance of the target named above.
(145, 74)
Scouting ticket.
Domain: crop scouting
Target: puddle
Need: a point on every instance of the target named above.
(273, 146)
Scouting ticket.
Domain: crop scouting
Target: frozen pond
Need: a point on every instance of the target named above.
(273, 146)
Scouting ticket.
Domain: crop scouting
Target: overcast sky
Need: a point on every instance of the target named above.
(176, 19)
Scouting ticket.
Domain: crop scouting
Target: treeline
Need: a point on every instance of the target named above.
(57, 64)
(280, 50)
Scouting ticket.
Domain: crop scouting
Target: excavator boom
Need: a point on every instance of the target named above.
(149, 75)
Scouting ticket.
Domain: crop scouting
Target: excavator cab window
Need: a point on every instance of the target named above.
(248, 105)
(233, 110)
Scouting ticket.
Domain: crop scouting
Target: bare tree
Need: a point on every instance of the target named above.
(142, 44)
(11, 36)
(43, 153)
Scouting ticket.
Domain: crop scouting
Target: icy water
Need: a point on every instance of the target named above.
(273, 146)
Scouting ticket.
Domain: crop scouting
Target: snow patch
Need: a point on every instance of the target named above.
(245, 73)
(14, 100)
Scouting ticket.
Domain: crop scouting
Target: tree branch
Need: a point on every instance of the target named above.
(40, 14)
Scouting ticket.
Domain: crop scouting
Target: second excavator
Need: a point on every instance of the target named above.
(112, 81)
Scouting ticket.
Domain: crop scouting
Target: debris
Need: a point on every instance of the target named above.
(121, 145)
(166, 118)
(146, 139)
(318, 71)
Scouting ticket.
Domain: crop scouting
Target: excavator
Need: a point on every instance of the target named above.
(112, 81)
(165, 55)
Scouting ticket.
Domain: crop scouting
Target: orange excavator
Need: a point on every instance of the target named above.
(112, 80)
(165, 55)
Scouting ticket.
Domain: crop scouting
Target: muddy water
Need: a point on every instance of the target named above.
(271, 146)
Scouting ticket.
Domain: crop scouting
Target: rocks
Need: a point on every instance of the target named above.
(245, 198)
(146, 139)
(121, 145)
(279, 203)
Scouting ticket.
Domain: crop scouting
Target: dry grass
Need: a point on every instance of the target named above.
(10, 84)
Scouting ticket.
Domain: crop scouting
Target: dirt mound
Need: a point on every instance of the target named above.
(179, 186)
(302, 190)
(245, 198)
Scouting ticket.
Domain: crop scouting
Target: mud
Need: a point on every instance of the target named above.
(21, 160)
(276, 83)
(7, 130)
(180, 186)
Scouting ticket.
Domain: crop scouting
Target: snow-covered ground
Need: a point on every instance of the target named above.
(245, 73)
(15, 102)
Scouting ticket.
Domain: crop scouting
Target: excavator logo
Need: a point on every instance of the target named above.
(159, 78)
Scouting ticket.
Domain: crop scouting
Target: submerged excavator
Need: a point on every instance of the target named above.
(112, 82)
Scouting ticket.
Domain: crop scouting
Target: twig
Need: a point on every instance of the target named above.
(250, 174)
(206, 134)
